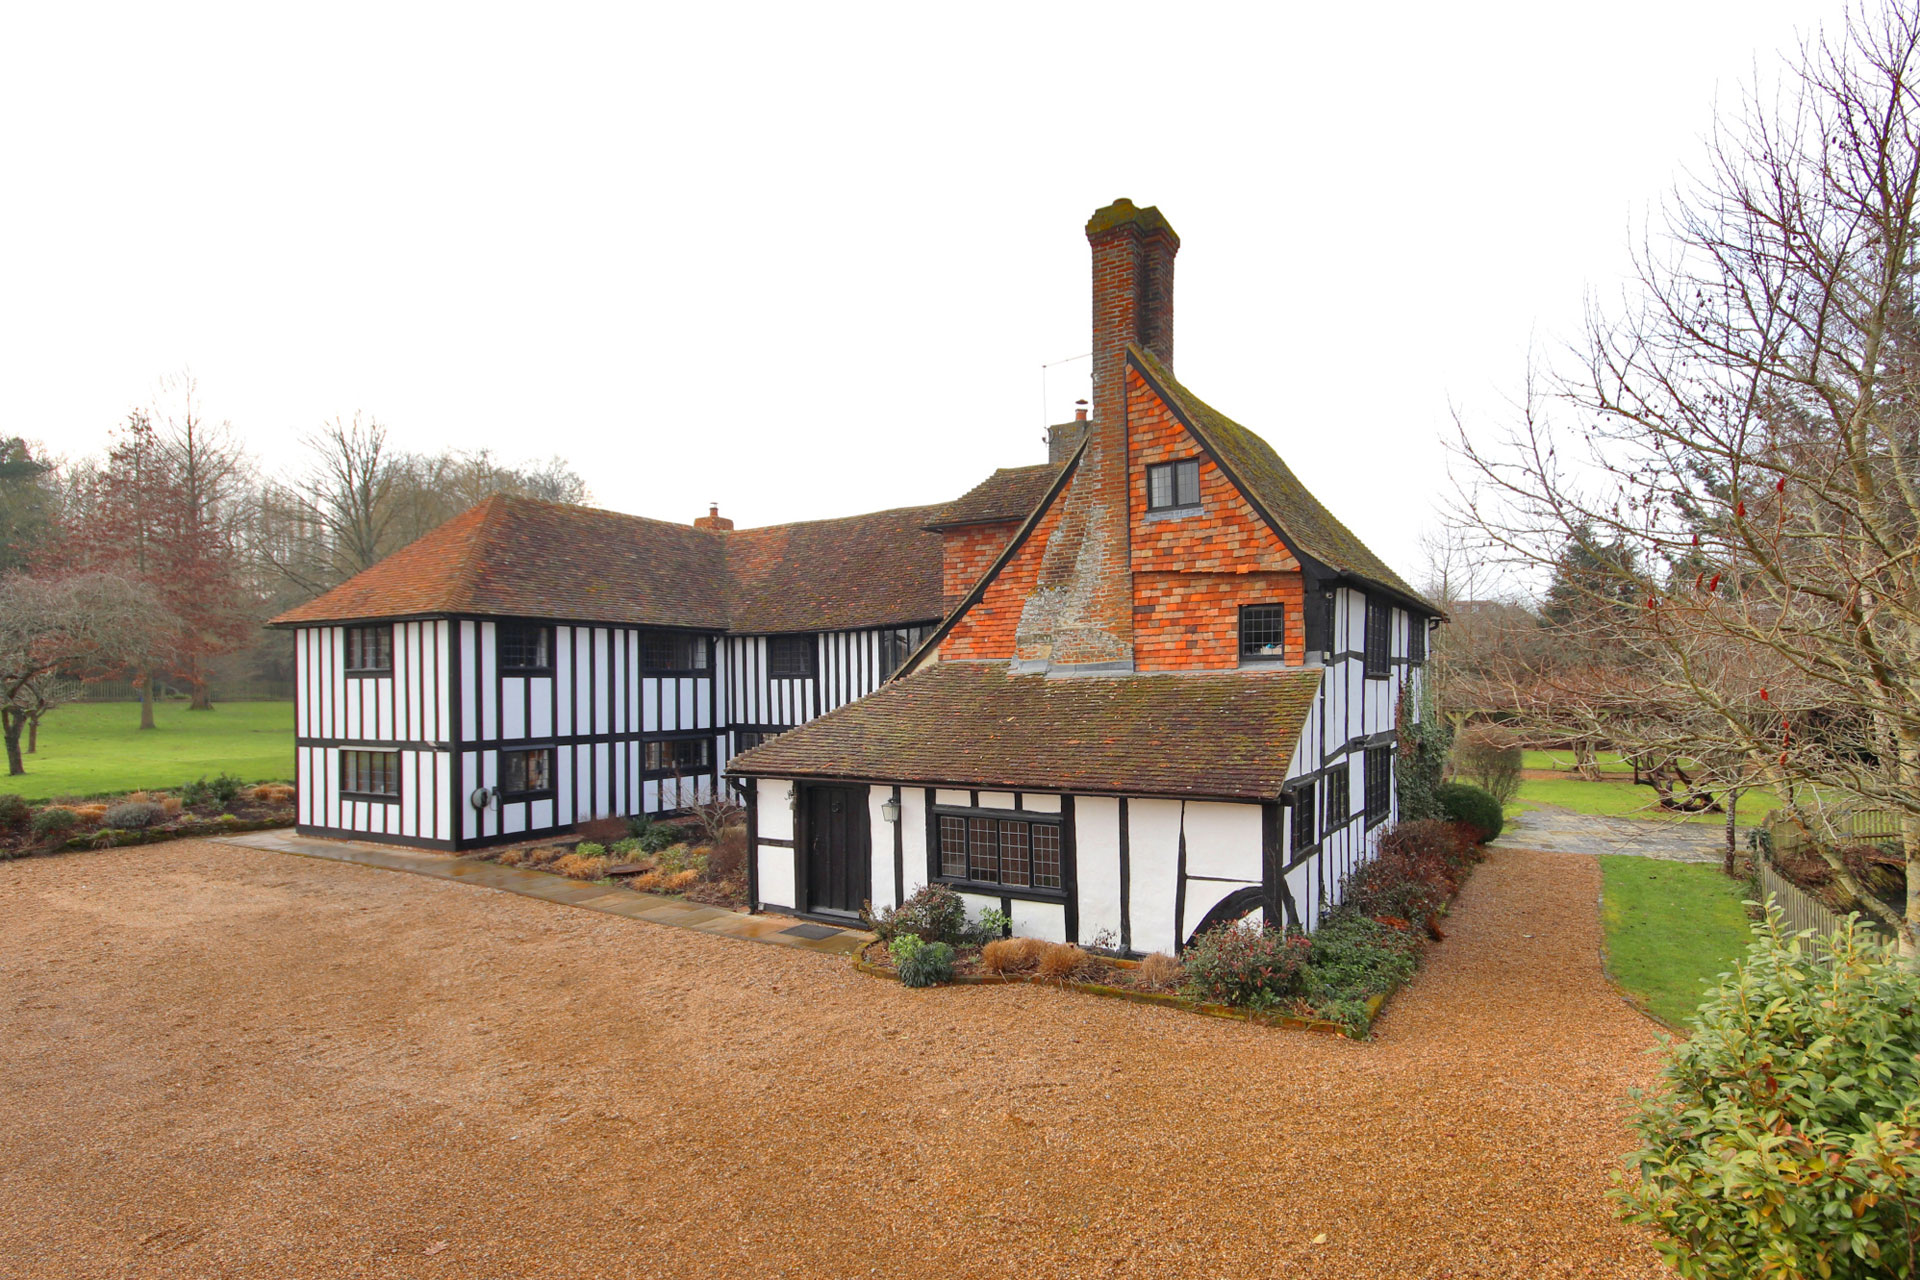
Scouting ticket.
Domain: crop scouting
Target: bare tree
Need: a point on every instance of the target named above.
(1748, 431)
(48, 627)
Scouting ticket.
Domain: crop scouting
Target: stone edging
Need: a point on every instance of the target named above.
(128, 837)
(1163, 998)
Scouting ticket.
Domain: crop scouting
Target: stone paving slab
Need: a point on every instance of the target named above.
(559, 890)
(1551, 829)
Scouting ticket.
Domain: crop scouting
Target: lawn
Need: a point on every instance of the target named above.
(97, 748)
(1616, 796)
(1669, 927)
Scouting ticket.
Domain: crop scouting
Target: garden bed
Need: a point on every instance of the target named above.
(660, 858)
(198, 809)
(1335, 979)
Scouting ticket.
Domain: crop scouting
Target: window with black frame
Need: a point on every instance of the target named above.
(369, 651)
(526, 775)
(747, 739)
(1306, 830)
(1000, 852)
(1173, 486)
(1339, 797)
(898, 644)
(1379, 639)
(1263, 632)
(679, 756)
(672, 652)
(790, 657)
(525, 649)
(1417, 640)
(1379, 769)
(370, 775)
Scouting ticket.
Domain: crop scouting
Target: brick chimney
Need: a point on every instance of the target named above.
(1078, 619)
(713, 519)
(1064, 437)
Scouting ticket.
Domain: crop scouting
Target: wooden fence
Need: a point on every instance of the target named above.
(1800, 909)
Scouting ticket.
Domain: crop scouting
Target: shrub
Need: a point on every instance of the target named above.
(133, 814)
(225, 788)
(54, 821)
(511, 857)
(1245, 964)
(934, 913)
(921, 963)
(993, 923)
(678, 880)
(271, 793)
(171, 806)
(676, 858)
(1781, 1139)
(727, 859)
(1417, 867)
(1352, 957)
(1060, 960)
(1464, 802)
(196, 793)
(653, 836)
(15, 813)
(581, 867)
(1161, 970)
(91, 811)
(645, 882)
(1010, 955)
(588, 849)
(626, 846)
(1482, 757)
(1425, 744)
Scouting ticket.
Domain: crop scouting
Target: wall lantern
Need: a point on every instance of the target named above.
(890, 810)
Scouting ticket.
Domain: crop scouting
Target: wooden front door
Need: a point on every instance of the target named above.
(836, 856)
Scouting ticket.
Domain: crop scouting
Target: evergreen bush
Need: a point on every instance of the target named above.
(1245, 964)
(921, 963)
(15, 813)
(133, 814)
(1784, 1137)
(1475, 806)
(932, 913)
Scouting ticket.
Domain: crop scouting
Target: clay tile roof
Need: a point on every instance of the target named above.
(522, 557)
(1010, 493)
(1222, 735)
(823, 575)
(1304, 524)
(517, 557)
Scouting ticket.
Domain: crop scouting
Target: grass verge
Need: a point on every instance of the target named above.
(1670, 926)
(98, 748)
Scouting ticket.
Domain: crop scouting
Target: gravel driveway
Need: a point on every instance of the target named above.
(223, 1062)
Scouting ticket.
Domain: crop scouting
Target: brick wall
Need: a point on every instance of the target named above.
(987, 630)
(967, 552)
(1192, 574)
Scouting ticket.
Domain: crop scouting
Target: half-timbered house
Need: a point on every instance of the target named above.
(1142, 687)
(1169, 698)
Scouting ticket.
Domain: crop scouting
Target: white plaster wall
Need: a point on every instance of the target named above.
(1153, 855)
(880, 847)
(913, 860)
(1044, 920)
(1096, 825)
(775, 821)
(996, 799)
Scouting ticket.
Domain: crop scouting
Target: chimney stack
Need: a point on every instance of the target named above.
(713, 519)
(1063, 438)
(1078, 619)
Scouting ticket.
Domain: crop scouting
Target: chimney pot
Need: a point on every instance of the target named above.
(713, 519)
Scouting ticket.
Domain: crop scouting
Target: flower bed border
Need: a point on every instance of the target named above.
(1167, 999)
(129, 837)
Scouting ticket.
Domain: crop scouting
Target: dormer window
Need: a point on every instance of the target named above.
(1173, 486)
(1263, 633)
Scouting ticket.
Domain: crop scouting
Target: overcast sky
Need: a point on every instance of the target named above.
(808, 260)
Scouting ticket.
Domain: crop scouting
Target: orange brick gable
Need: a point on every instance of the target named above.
(968, 552)
(987, 629)
(1191, 574)
(1227, 537)
(1191, 621)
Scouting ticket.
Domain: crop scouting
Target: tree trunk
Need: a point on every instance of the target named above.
(11, 722)
(143, 685)
(202, 699)
(33, 735)
(1733, 803)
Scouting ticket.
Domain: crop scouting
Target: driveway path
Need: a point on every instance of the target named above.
(228, 1062)
(1555, 830)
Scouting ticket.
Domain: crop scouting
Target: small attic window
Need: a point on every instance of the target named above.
(1172, 486)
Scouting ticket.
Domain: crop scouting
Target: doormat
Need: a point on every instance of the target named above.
(813, 932)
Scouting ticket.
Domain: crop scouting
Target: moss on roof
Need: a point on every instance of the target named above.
(1219, 735)
(1304, 524)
